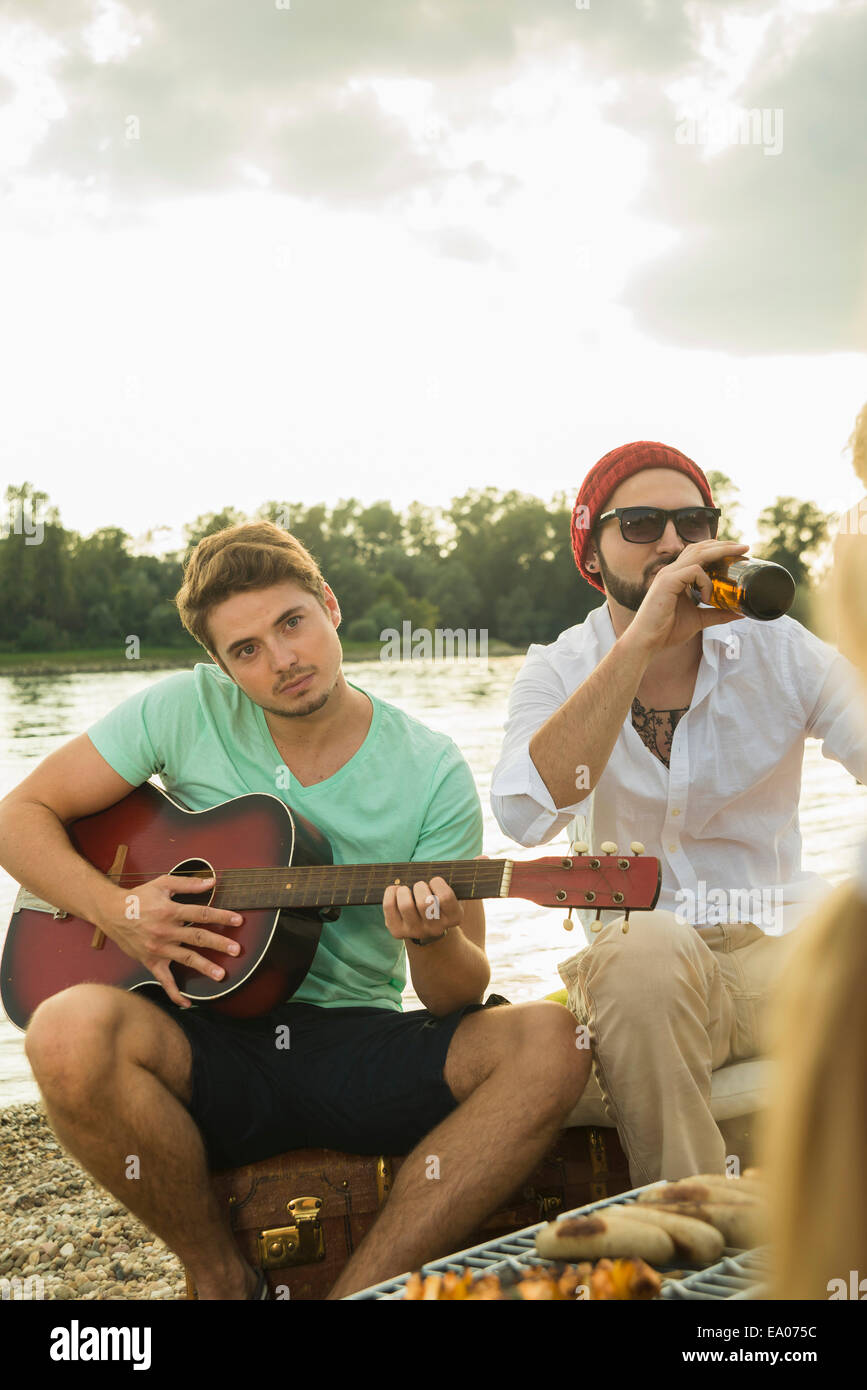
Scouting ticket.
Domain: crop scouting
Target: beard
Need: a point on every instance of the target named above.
(309, 706)
(627, 593)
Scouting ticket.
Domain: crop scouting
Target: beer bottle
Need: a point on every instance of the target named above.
(757, 588)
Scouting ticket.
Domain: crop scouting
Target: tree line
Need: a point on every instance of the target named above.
(490, 560)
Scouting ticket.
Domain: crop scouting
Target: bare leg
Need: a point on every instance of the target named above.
(115, 1074)
(516, 1073)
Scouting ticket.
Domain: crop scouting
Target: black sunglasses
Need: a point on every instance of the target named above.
(645, 524)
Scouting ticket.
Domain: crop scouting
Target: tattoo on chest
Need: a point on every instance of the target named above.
(656, 728)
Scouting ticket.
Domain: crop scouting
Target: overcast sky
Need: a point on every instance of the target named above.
(396, 249)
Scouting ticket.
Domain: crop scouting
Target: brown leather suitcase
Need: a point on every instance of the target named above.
(300, 1215)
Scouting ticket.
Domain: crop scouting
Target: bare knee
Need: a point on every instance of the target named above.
(68, 1029)
(551, 1046)
(83, 1035)
(533, 1044)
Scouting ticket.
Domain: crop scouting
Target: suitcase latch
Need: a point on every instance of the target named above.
(300, 1244)
(547, 1202)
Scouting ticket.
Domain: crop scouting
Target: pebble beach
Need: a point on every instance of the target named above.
(58, 1226)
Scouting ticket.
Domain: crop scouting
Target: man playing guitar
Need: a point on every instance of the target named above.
(484, 1090)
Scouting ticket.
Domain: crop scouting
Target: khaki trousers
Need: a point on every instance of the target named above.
(665, 1005)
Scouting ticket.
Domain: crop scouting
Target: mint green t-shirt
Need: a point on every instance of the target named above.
(407, 793)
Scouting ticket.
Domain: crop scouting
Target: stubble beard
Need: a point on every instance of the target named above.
(310, 707)
(627, 594)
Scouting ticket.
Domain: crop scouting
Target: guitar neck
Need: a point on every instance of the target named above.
(598, 881)
(346, 885)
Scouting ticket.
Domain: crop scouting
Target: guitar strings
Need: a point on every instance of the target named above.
(255, 875)
(457, 868)
(316, 880)
(333, 882)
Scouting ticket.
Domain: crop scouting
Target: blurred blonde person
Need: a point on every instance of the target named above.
(814, 1145)
(852, 536)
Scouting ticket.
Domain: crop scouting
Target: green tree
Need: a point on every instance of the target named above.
(280, 513)
(210, 522)
(490, 560)
(377, 528)
(793, 533)
(427, 533)
(725, 495)
(35, 581)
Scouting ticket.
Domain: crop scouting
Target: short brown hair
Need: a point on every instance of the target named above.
(254, 555)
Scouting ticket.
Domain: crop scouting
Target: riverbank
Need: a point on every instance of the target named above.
(59, 1227)
(169, 658)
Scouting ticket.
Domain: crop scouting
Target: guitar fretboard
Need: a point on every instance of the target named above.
(327, 885)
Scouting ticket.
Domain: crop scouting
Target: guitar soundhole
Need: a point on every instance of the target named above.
(197, 868)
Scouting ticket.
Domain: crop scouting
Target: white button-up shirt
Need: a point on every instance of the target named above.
(723, 818)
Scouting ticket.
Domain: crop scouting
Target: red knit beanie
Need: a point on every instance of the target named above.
(607, 475)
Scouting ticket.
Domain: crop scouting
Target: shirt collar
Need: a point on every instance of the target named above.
(600, 620)
(721, 632)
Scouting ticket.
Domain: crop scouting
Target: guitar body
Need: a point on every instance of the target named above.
(277, 870)
(44, 955)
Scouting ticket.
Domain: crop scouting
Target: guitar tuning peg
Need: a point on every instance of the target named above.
(579, 847)
(608, 847)
(568, 924)
(637, 847)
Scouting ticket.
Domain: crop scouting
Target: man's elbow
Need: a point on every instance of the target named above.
(514, 821)
(511, 817)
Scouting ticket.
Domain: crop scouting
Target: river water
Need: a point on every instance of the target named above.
(466, 700)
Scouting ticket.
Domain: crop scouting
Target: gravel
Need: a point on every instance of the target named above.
(59, 1226)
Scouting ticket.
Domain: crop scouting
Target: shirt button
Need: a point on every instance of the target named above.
(672, 849)
(675, 813)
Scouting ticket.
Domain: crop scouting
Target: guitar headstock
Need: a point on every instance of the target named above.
(608, 881)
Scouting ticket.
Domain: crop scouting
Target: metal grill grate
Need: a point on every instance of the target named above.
(738, 1274)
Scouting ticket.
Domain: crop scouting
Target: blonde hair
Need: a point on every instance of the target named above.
(814, 1140)
(858, 444)
(254, 555)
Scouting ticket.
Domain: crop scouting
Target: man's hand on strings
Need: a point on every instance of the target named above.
(154, 929)
(425, 912)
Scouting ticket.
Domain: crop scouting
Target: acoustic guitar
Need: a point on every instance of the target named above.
(273, 865)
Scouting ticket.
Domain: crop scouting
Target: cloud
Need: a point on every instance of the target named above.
(463, 244)
(211, 88)
(772, 255)
(180, 97)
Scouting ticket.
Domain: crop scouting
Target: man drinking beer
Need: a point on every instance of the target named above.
(682, 727)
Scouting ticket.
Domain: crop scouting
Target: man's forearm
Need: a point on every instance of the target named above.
(448, 974)
(38, 853)
(584, 730)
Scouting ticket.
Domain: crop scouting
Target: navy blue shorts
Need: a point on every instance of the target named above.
(364, 1080)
